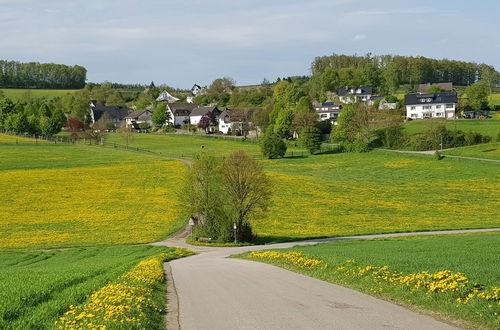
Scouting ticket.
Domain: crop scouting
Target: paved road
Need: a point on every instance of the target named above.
(215, 292)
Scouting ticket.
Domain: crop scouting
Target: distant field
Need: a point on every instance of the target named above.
(357, 264)
(495, 99)
(17, 94)
(490, 127)
(488, 150)
(376, 192)
(185, 145)
(36, 287)
(68, 195)
(5, 138)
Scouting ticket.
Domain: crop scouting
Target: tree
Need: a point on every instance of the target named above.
(202, 196)
(477, 95)
(434, 89)
(159, 116)
(248, 191)
(272, 146)
(311, 139)
(304, 116)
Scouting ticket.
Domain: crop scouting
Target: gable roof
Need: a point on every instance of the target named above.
(166, 96)
(237, 115)
(203, 111)
(419, 98)
(117, 112)
(143, 115)
(355, 91)
(181, 109)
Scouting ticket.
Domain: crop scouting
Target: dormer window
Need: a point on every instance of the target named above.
(429, 99)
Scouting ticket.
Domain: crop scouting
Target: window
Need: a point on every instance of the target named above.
(427, 107)
(450, 106)
(324, 115)
(413, 115)
(438, 106)
(413, 107)
(439, 114)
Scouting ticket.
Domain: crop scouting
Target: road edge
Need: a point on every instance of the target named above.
(172, 312)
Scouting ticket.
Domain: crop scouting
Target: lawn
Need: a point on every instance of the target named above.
(5, 138)
(20, 94)
(392, 268)
(69, 195)
(36, 287)
(488, 150)
(489, 127)
(377, 192)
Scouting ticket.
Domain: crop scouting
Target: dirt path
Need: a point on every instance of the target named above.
(211, 291)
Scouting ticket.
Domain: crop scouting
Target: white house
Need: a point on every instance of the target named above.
(135, 118)
(179, 113)
(355, 94)
(231, 119)
(328, 111)
(195, 90)
(439, 105)
(212, 113)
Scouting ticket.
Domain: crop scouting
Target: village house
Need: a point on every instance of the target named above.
(195, 90)
(115, 113)
(355, 94)
(328, 111)
(235, 119)
(439, 105)
(211, 113)
(179, 113)
(135, 118)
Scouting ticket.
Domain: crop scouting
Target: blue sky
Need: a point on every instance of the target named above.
(180, 42)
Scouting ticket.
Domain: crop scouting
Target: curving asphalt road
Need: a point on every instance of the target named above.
(209, 291)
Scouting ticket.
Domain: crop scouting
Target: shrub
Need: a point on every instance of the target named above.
(355, 146)
(272, 146)
(437, 155)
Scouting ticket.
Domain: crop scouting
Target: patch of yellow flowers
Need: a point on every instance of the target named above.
(125, 303)
(295, 258)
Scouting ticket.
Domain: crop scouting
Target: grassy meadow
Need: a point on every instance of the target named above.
(456, 276)
(69, 195)
(489, 127)
(348, 194)
(37, 287)
(23, 94)
(488, 150)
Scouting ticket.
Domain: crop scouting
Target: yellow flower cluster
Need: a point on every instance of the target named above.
(292, 257)
(438, 282)
(126, 303)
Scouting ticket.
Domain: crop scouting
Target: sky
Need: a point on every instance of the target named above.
(182, 42)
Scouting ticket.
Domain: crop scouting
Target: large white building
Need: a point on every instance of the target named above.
(328, 111)
(439, 105)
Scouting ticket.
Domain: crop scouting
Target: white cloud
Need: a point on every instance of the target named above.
(359, 37)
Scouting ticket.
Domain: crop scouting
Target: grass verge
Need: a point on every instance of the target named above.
(454, 275)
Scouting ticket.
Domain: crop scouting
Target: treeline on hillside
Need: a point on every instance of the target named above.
(386, 73)
(41, 75)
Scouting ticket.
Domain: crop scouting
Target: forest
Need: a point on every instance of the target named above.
(41, 75)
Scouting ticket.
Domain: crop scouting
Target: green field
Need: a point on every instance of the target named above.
(489, 127)
(66, 195)
(495, 99)
(37, 287)
(488, 150)
(346, 194)
(19, 94)
(473, 255)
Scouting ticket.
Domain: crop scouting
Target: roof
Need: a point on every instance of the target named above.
(447, 86)
(166, 96)
(331, 107)
(117, 112)
(354, 91)
(181, 109)
(420, 98)
(203, 111)
(143, 114)
(237, 115)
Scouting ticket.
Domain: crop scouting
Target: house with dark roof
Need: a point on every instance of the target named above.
(179, 113)
(439, 105)
(135, 118)
(328, 111)
(114, 113)
(235, 119)
(355, 94)
(211, 113)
